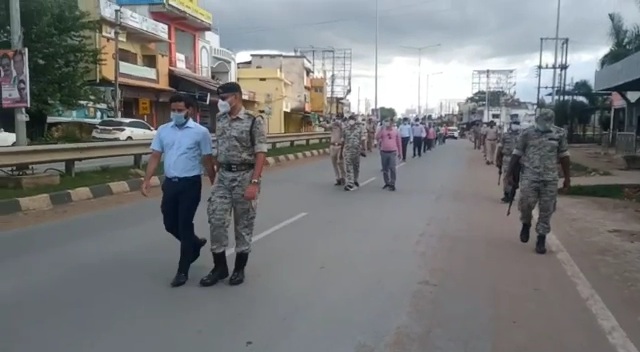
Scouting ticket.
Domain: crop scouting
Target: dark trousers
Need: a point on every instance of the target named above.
(425, 144)
(180, 200)
(417, 146)
(405, 142)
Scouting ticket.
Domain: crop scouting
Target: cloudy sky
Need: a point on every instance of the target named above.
(474, 35)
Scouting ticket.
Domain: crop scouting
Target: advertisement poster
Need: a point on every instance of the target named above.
(14, 78)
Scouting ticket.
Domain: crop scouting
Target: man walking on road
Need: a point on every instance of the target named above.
(419, 133)
(187, 147)
(539, 147)
(352, 137)
(491, 141)
(405, 135)
(390, 152)
(371, 132)
(335, 150)
(505, 149)
(241, 148)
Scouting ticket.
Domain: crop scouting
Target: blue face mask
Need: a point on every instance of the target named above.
(178, 118)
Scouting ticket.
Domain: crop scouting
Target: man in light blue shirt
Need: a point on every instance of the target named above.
(405, 136)
(187, 148)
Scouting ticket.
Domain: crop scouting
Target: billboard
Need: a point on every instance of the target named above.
(14, 78)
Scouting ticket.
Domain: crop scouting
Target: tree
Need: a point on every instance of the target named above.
(625, 41)
(60, 39)
(480, 98)
(387, 113)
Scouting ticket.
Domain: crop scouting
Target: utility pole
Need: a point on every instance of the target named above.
(555, 55)
(20, 116)
(116, 73)
(419, 50)
(358, 100)
(376, 62)
(426, 105)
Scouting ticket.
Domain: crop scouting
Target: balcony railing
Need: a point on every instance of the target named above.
(138, 71)
(223, 54)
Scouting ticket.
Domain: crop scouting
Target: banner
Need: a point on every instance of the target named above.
(14, 78)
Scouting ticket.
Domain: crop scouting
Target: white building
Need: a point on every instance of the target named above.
(217, 63)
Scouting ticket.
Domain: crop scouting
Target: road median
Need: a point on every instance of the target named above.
(111, 181)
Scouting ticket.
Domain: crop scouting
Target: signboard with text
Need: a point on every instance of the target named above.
(14, 78)
(191, 7)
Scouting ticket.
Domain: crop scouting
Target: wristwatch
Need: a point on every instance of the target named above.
(255, 182)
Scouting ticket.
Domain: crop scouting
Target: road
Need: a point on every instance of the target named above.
(435, 266)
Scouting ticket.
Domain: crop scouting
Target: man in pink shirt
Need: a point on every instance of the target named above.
(431, 137)
(390, 152)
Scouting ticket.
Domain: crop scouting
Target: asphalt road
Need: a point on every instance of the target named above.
(435, 266)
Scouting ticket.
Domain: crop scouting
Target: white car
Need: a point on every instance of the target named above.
(453, 132)
(122, 130)
(7, 139)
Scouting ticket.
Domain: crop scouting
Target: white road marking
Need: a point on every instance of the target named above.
(272, 230)
(401, 164)
(612, 329)
(367, 181)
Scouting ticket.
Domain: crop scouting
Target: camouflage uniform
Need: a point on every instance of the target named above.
(352, 137)
(234, 147)
(540, 151)
(507, 144)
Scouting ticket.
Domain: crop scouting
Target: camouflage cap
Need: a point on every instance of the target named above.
(546, 115)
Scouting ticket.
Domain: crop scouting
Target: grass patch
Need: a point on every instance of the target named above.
(624, 192)
(579, 170)
(82, 179)
(297, 149)
(114, 174)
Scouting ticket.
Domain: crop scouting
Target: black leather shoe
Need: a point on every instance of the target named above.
(385, 186)
(525, 233)
(505, 198)
(237, 278)
(199, 244)
(392, 188)
(357, 184)
(219, 272)
(541, 247)
(179, 280)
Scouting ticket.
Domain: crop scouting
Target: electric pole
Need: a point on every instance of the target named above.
(419, 50)
(555, 55)
(116, 66)
(20, 115)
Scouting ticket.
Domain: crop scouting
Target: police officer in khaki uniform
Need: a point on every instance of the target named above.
(240, 151)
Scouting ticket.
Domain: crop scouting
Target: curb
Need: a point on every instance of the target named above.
(49, 200)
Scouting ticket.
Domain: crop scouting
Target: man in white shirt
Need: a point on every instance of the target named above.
(405, 136)
(419, 133)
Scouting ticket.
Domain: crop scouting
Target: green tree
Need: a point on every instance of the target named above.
(625, 40)
(387, 113)
(480, 97)
(59, 37)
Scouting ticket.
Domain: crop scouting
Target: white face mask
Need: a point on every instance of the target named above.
(224, 106)
(387, 124)
(515, 127)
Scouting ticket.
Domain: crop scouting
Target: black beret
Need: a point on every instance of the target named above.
(229, 88)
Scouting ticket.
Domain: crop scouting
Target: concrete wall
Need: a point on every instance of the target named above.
(270, 88)
(294, 71)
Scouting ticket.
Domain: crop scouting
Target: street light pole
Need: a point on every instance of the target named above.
(555, 55)
(20, 116)
(375, 99)
(426, 105)
(116, 66)
(419, 50)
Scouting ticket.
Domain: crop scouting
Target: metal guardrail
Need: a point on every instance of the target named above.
(71, 153)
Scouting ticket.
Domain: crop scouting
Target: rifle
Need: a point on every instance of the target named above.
(499, 174)
(514, 187)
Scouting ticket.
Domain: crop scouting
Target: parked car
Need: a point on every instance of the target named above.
(453, 133)
(7, 139)
(122, 129)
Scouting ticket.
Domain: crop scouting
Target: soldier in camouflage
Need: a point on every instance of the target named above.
(352, 135)
(540, 147)
(240, 151)
(505, 149)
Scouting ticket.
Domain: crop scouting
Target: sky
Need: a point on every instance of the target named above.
(473, 35)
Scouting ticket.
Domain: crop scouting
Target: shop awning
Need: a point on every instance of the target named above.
(201, 81)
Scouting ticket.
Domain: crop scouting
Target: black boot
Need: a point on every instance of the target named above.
(505, 198)
(525, 233)
(219, 272)
(541, 247)
(237, 277)
(179, 280)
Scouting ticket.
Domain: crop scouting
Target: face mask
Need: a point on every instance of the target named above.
(387, 124)
(515, 127)
(224, 106)
(352, 122)
(178, 118)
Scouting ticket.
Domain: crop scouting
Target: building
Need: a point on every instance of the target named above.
(318, 96)
(272, 92)
(187, 23)
(297, 69)
(222, 61)
(141, 67)
(337, 106)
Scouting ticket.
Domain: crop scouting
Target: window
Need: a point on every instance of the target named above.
(138, 124)
(128, 56)
(110, 123)
(149, 61)
(263, 79)
(318, 89)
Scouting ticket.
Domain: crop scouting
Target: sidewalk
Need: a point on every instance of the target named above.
(591, 156)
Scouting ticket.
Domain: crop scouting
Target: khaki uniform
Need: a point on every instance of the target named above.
(336, 148)
(491, 142)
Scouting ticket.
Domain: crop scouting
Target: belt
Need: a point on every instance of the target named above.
(237, 167)
(186, 178)
(389, 151)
